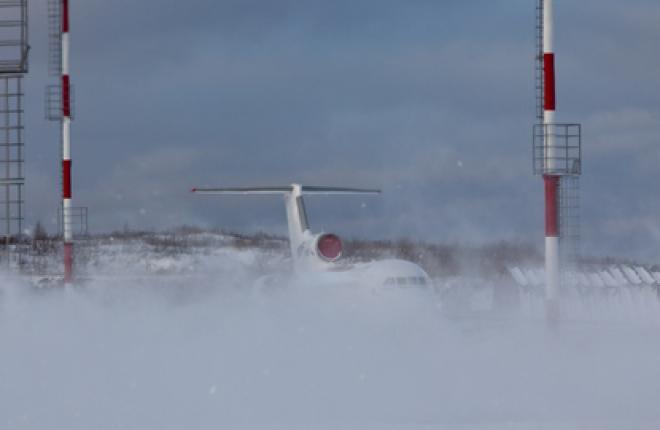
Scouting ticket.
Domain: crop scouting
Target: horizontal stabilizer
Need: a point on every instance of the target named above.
(305, 189)
(244, 190)
(336, 190)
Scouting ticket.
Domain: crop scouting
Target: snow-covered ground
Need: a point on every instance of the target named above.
(182, 341)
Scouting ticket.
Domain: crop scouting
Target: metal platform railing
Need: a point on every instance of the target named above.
(79, 221)
(557, 149)
(13, 36)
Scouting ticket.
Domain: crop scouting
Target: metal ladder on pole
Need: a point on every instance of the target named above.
(538, 64)
(13, 65)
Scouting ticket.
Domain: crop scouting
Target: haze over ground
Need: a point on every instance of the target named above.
(433, 101)
(203, 349)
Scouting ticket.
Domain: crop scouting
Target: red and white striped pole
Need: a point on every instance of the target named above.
(550, 178)
(66, 146)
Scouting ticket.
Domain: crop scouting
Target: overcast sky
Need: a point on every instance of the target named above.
(431, 100)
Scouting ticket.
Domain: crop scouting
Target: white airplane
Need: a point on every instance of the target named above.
(319, 254)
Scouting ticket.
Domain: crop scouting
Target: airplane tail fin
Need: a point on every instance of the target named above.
(295, 206)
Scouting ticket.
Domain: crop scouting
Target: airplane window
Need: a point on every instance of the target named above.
(401, 281)
(389, 281)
